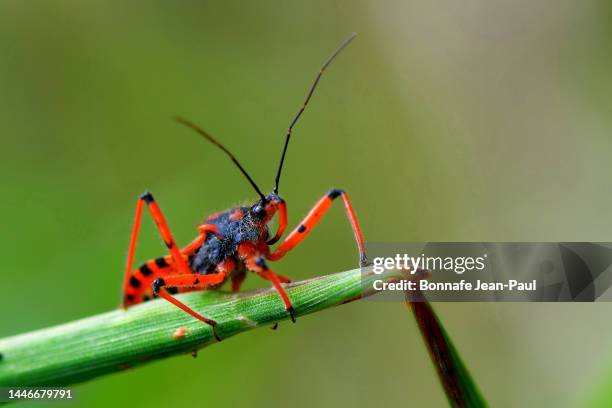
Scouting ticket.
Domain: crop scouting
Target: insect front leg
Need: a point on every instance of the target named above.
(313, 218)
(179, 261)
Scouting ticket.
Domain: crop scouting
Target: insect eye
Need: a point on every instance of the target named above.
(259, 211)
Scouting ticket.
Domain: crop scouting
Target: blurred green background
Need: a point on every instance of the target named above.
(469, 121)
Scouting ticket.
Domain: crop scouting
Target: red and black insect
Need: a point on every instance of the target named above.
(229, 243)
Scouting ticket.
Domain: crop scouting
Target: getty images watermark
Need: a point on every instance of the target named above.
(453, 271)
(455, 264)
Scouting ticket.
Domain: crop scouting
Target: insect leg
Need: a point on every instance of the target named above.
(162, 287)
(237, 280)
(313, 218)
(258, 265)
(282, 223)
(179, 261)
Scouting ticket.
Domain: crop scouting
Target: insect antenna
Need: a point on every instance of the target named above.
(212, 140)
(306, 100)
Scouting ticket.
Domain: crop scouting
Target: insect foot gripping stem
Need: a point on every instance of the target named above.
(292, 314)
(159, 284)
(364, 261)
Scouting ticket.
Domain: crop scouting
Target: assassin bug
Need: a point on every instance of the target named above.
(229, 243)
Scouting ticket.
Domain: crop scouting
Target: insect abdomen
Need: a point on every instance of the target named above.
(139, 284)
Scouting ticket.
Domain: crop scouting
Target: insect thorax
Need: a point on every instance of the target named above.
(233, 231)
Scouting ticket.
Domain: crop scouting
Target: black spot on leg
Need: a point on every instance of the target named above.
(301, 228)
(161, 262)
(134, 282)
(145, 270)
(172, 290)
(334, 193)
(157, 284)
(196, 281)
(147, 197)
(169, 244)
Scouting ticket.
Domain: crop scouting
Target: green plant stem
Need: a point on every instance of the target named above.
(460, 388)
(117, 340)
